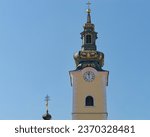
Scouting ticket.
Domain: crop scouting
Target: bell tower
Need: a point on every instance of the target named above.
(89, 80)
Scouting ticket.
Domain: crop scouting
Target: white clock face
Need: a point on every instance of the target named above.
(89, 76)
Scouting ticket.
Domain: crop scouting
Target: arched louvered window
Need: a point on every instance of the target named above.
(88, 39)
(89, 101)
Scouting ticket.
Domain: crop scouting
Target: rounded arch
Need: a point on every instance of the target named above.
(89, 101)
(88, 39)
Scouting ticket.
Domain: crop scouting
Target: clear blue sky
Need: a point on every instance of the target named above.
(38, 39)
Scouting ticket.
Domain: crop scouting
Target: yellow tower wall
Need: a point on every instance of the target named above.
(82, 89)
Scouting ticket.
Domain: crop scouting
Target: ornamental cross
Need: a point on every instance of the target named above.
(47, 99)
(88, 4)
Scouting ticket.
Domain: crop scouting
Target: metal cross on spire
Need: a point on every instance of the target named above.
(88, 11)
(47, 99)
(47, 116)
(89, 3)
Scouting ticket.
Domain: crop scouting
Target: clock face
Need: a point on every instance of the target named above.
(89, 76)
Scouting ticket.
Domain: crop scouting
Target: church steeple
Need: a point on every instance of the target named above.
(88, 56)
(89, 80)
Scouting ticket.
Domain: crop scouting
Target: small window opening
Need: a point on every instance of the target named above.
(88, 39)
(89, 101)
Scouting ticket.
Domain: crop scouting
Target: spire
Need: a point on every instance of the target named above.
(89, 35)
(47, 116)
(88, 12)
